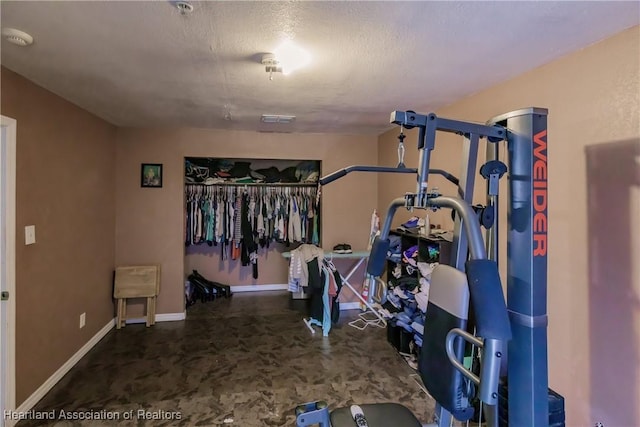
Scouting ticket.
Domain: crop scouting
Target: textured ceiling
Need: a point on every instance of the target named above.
(143, 64)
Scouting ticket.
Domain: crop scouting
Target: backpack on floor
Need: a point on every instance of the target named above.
(220, 289)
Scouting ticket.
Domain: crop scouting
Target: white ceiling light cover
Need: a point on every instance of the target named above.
(291, 57)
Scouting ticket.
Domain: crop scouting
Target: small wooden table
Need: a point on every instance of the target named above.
(141, 281)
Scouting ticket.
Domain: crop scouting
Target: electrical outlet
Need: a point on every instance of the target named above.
(83, 317)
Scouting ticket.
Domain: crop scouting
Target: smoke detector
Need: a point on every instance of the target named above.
(185, 8)
(17, 37)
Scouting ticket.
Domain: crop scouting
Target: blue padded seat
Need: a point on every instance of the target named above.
(377, 415)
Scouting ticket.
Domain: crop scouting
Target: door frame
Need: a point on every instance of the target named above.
(8, 168)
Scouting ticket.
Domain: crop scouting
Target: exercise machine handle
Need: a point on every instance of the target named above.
(385, 169)
(450, 340)
(489, 377)
(360, 168)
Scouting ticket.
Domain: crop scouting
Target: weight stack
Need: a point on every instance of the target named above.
(556, 408)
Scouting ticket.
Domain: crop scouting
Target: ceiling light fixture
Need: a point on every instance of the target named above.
(17, 37)
(285, 59)
(291, 57)
(271, 64)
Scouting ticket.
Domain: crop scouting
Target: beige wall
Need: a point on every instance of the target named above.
(150, 222)
(593, 97)
(65, 187)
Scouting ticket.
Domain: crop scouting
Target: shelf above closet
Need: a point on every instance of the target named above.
(216, 171)
(254, 184)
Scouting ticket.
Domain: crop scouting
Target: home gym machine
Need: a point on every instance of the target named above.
(517, 326)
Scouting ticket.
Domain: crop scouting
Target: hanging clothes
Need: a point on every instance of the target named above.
(249, 254)
(242, 219)
(325, 310)
(295, 221)
(299, 272)
(310, 271)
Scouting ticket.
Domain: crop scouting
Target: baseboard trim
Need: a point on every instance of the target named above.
(32, 400)
(350, 305)
(163, 317)
(258, 288)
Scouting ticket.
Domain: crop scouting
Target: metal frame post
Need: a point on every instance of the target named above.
(460, 245)
(527, 266)
(426, 140)
(492, 153)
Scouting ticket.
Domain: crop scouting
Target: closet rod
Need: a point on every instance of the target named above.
(254, 184)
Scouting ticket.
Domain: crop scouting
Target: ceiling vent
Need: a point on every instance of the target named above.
(277, 118)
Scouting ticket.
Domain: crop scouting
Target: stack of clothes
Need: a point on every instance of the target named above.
(406, 303)
(394, 253)
(211, 171)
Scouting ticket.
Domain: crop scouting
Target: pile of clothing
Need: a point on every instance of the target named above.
(211, 171)
(410, 291)
(406, 303)
(416, 225)
(394, 253)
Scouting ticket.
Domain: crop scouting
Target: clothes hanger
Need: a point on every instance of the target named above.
(329, 263)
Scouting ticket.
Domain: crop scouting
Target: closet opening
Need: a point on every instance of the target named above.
(240, 215)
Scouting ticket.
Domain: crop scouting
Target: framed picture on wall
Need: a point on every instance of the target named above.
(151, 175)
